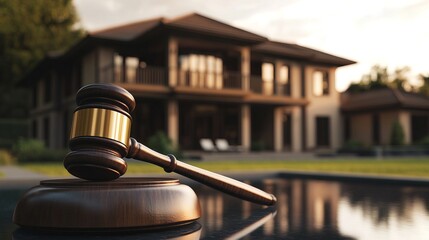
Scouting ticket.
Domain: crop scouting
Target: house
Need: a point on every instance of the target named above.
(194, 77)
(369, 116)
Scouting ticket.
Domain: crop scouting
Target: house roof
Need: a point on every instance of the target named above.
(381, 99)
(192, 22)
(300, 52)
(130, 31)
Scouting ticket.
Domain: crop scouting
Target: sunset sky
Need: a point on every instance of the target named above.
(392, 33)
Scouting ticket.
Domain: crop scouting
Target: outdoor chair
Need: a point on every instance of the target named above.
(223, 145)
(207, 145)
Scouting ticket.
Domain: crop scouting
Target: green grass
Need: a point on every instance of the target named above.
(411, 167)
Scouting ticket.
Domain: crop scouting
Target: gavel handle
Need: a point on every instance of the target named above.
(225, 184)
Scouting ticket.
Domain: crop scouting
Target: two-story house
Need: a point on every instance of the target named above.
(194, 77)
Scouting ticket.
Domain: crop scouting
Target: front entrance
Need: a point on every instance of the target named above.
(262, 127)
(149, 117)
(212, 121)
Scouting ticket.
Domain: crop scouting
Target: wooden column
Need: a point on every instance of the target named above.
(173, 121)
(296, 129)
(172, 61)
(245, 68)
(245, 127)
(278, 129)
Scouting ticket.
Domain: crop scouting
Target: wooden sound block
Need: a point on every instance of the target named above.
(123, 204)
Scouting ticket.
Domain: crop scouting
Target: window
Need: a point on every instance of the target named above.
(347, 128)
(48, 89)
(323, 136)
(267, 78)
(201, 71)
(118, 62)
(320, 83)
(34, 95)
(46, 131)
(132, 65)
(34, 129)
(283, 81)
(375, 129)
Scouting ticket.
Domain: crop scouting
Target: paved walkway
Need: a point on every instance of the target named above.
(19, 173)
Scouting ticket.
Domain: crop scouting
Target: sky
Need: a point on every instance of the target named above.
(391, 33)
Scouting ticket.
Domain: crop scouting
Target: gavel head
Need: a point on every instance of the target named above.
(100, 132)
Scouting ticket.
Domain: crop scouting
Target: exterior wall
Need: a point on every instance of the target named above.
(361, 128)
(328, 106)
(386, 122)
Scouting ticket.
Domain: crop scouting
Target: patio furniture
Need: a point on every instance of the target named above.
(223, 145)
(207, 145)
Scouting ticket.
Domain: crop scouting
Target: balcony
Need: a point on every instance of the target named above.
(259, 86)
(225, 80)
(158, 76)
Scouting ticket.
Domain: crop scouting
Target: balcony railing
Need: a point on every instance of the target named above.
(151, 75)
(225, 80)
(154, 75)
(258, 85)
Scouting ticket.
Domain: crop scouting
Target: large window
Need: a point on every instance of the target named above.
(320, 83)
(203, 71)
(267, 78)
(284, 81)
(126, 68)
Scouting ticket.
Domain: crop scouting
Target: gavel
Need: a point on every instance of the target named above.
(100, 139)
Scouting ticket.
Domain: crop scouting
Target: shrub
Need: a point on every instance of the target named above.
(6, 157)
(352, 145)
(32, 150)
(258, 146)
(397, 134)
(424, 142)
(11, 130)
(161, 143)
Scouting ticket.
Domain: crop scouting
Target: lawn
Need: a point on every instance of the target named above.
(411, 167)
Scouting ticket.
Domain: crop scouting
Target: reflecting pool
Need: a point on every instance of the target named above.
(306, 209)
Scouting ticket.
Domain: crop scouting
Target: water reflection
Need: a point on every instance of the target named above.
(306, 209)
(312, 209)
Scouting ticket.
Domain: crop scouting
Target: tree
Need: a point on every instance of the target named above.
(379, 78)
(400, 80)
(28, 30)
